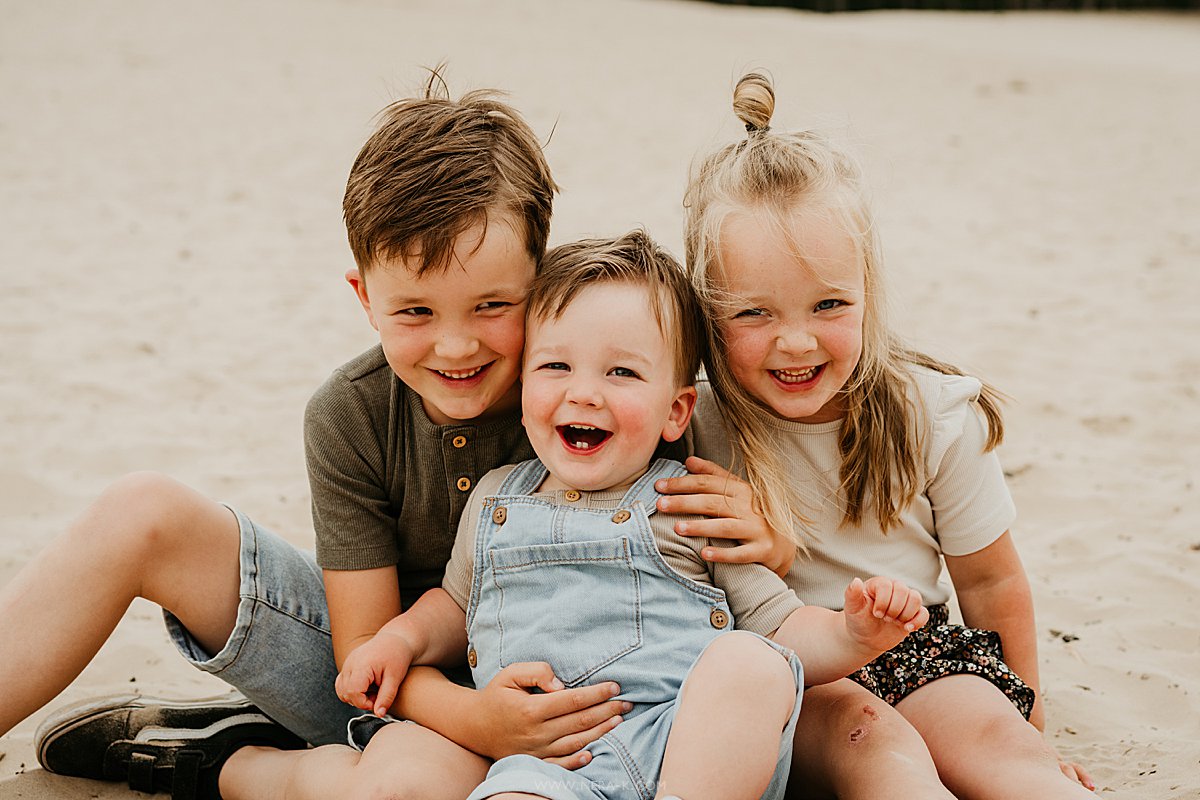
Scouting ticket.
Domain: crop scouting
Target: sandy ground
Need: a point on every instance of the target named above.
(171, 256)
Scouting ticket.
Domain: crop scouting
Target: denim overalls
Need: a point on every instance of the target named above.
(587, 591)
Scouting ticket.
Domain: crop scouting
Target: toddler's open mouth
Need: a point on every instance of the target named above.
(582, 438)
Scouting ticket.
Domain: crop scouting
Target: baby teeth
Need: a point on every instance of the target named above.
(798, 376)
(460, 374)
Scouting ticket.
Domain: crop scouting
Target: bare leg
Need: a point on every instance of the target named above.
(983, 747)
(851, 745)
(146, 536)
(750, 723)
(402, 761)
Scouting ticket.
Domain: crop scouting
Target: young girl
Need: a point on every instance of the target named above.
(875, 458)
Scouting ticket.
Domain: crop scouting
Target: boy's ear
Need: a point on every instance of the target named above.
(356, 280)
(681, 413)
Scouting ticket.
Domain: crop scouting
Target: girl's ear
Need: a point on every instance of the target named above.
(359, 284)
(681, 413)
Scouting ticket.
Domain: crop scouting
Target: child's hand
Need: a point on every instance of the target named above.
(881, 612)
(732, 512)
(553, 724)
(372, 673)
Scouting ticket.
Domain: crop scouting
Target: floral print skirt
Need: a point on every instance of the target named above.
(937, 650)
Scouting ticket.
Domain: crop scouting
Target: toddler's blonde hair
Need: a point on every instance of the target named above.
(773, 176)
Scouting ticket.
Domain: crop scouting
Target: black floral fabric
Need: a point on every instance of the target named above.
(937, 650)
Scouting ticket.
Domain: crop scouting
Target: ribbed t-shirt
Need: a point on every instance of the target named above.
(388, 485)
(964, 506)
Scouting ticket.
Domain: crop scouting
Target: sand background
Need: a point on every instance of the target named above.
(171, 254)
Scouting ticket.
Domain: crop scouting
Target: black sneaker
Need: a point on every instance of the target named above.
(156, 745)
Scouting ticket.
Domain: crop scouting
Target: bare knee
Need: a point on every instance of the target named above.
(751, 660)
(1011, 738)
(745, 659)
(860, 724)
(408, 762)
(863, 723)
(145, 515)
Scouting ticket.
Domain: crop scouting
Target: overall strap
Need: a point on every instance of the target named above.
(527, 476)
(643, 489)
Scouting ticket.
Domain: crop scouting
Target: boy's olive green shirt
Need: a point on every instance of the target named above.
(388, 485)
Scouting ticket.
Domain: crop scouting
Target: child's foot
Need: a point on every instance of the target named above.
(156, 745)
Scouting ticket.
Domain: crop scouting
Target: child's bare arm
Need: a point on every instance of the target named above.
(993, 594)
(524, 709)
(431, 632)
(878, 614)
(360, 603)
(728, 501)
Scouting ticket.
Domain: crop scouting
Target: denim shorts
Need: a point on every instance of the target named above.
(280, 654)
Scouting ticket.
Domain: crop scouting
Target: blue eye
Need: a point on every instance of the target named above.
(826, 305)
(623, 372)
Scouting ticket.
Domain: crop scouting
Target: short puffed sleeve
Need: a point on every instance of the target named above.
(965, 484)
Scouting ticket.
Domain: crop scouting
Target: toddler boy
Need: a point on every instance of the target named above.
(563, 559)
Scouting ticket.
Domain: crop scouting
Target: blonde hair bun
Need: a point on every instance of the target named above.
(754, 101)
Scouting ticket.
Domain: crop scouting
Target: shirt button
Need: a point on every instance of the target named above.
(472, 659)
(464, 483)
(459, 441)
(572, 495)
(718, 618)
(499, 515)
(620, 516)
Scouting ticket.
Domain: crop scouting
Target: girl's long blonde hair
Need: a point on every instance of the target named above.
(773, 175)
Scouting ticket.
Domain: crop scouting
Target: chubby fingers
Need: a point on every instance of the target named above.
(351, 687)
(707, 504)
(706, 478)
(891, 599)
(386, 695)
(531, 675)
(569, 751)
(582, 707)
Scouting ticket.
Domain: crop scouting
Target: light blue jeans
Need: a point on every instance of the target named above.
(280, 654)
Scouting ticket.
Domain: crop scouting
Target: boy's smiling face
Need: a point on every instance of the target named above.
(454, 336)
(599, 389)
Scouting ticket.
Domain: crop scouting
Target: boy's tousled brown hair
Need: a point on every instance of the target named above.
(635, 259)
(435, 167)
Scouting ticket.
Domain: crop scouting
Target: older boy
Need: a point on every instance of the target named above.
(447, 211)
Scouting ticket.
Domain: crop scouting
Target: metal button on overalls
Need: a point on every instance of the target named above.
(499, 515)
(472, 659)
(620, 516)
